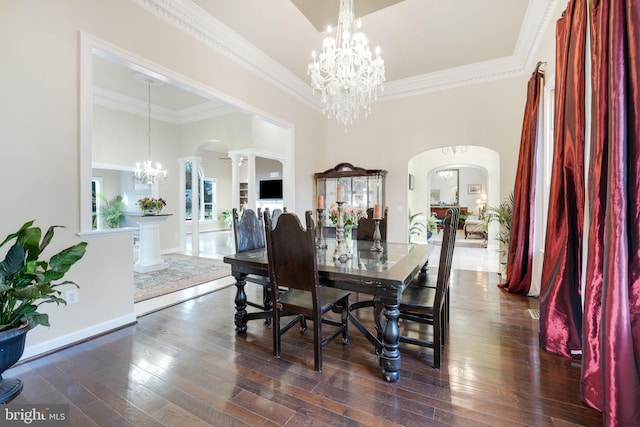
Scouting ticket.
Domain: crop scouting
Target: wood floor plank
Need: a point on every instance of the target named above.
(185, 365)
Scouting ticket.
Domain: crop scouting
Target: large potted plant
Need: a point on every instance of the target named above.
(415, 226)
(26, 282)
(503, 215)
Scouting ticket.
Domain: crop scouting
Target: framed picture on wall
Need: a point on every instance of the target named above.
(474, 189)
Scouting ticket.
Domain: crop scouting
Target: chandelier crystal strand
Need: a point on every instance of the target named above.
(345, 73)
(148, 172)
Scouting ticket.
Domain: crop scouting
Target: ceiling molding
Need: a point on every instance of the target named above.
(117, 101)
(535, 25)
(481, 72)
(195, 21)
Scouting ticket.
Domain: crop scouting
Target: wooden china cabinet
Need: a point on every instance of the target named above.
(364, 188)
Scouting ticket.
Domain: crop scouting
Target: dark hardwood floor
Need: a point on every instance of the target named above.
(185, 366)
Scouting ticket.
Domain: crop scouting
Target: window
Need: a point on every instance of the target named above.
(207, 195)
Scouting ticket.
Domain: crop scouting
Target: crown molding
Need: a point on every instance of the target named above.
(117, 101)
(193, 20)
(537, 19)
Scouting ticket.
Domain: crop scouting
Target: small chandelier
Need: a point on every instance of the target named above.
(148, 172)
(345, 73)
(445, 174)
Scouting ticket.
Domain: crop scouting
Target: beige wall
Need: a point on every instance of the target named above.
(40, 135)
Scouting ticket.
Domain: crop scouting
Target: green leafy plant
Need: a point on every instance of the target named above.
(432, 223)
(415, 227)
(112, 210)
(26, 281)
(503, 215)
(227, 218)
(462, 218)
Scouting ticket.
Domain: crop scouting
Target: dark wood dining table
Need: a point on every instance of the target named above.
(383, 275)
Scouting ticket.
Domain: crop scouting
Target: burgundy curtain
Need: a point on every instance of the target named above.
(520, 252)
(611, 358)
(560, 294)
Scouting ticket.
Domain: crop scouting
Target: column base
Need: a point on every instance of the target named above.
(148, 268)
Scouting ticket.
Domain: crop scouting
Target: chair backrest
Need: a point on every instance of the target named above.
(248, 231)
(450, 227)
(366, 226)
(274, 217)
(291, 252)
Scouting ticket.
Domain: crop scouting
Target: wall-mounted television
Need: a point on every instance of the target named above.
(271, 189)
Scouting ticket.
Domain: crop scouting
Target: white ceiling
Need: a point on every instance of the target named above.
(425, 44)
(416, 36)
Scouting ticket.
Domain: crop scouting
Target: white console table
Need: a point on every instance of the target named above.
(149, 244)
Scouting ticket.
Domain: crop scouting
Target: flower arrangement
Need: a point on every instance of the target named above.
(350, 216)
(147, 204)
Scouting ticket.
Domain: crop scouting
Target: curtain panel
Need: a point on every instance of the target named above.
(611, 358)
(560, 293)
(520, 251)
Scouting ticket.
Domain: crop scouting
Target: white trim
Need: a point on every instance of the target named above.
(78, 336)
(127, 104)
(107, 232)
(111, 166)
(90, 45)
(86, 108)
(195, 21)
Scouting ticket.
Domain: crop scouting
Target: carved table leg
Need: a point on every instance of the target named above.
(241, 303)
(266, 302)
(390, 357)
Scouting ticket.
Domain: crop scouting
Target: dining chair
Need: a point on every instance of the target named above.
(365, 230)
(291, 253)
(455, 218)
(248, 232)
(275, 215)
(427, 304)
(366, 226)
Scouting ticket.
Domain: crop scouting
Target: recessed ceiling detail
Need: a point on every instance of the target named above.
(427, 45)
(325, 12)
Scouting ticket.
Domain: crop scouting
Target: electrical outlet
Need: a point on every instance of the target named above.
(71, 296)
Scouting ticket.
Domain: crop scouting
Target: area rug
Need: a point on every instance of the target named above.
(183, 272)
(471, 242)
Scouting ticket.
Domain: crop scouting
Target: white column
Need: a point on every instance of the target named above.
(195, 211)
(182, 202)
(288, 179)
(235, 181)
(251, 179)
(149, 257)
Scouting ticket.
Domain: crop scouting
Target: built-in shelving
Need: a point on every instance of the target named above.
(244, 193)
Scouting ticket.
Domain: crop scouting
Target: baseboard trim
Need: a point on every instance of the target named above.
(47, 347)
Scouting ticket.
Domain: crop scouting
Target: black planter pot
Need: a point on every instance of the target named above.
(11, 349)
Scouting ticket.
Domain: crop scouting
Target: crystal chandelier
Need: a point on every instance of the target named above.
(148, 172)
(345, 73)
(445, 174)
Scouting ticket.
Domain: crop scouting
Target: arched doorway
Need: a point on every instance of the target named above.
(481, 161)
